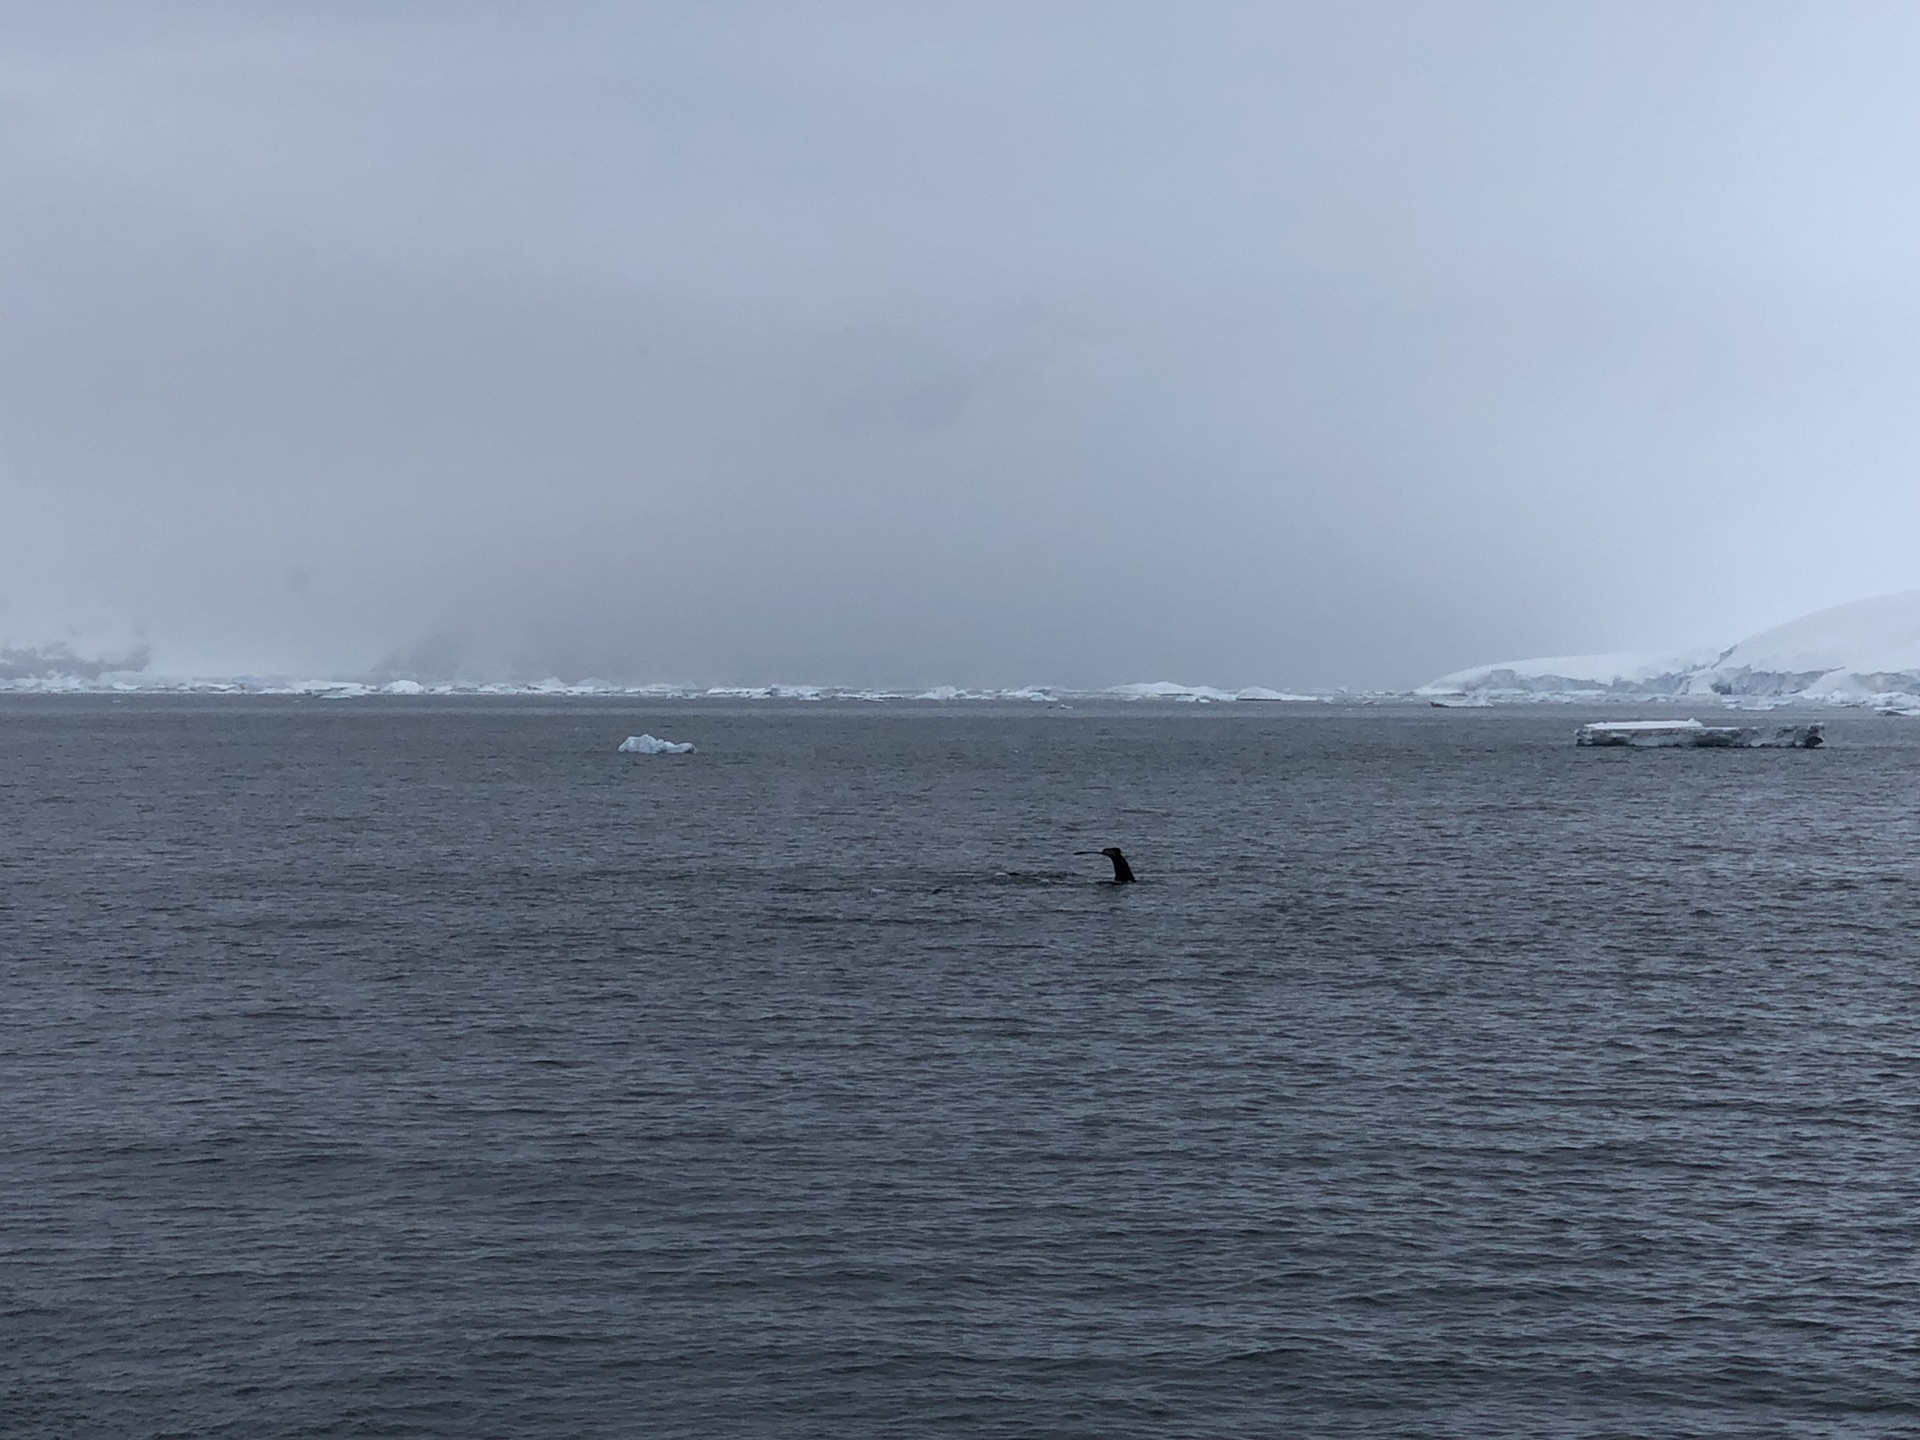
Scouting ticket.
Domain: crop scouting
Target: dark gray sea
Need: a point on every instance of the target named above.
(423, 1067)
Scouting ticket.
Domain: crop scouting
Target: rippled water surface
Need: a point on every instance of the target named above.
(426, 1068)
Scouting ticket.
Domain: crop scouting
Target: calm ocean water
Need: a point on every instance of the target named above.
(424, 1068)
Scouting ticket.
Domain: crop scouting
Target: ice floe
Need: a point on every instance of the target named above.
(1260, 692)
(1666, 734)
(652, 745)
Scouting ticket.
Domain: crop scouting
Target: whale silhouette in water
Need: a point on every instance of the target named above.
(1122, 872)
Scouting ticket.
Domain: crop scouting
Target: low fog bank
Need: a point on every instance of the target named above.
(59, 662)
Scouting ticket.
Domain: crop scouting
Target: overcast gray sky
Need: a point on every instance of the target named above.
(905, 343)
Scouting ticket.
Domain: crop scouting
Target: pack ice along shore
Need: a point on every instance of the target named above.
(1666, 734)
(1865, 652)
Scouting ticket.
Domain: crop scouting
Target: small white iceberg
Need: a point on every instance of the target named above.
(652, 745)
(1664, 733)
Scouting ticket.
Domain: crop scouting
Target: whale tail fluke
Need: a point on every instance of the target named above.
(1122, 872)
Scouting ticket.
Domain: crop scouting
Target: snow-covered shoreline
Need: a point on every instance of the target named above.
(943, 695)
(1161, 690)
(1866, 653)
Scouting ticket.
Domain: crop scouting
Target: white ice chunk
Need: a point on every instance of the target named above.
(651, 745)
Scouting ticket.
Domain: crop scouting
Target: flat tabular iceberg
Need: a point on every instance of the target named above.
(651, 745)
(1691, 733)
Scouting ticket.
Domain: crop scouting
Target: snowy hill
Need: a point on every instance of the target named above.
(1865, 650)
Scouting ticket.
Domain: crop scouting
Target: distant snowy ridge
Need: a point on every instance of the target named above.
(1168, 690)
(1630, 675)
(1867, 651)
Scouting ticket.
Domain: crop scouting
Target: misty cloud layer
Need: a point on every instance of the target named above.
(969, 343)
